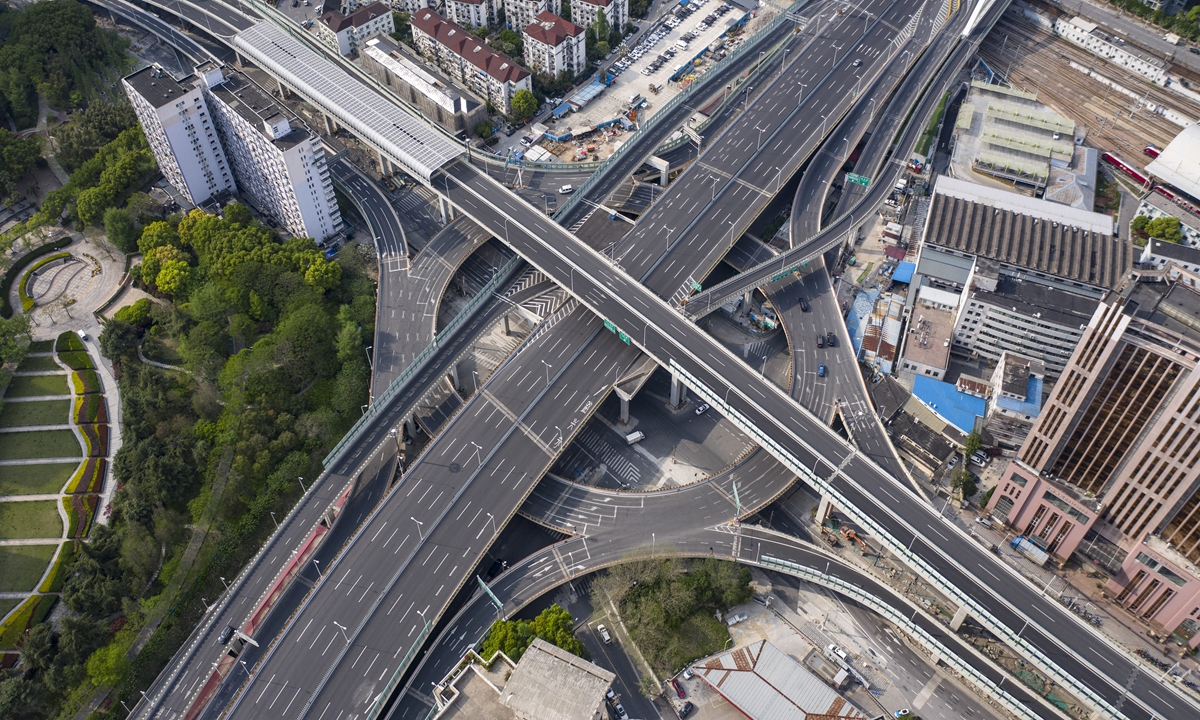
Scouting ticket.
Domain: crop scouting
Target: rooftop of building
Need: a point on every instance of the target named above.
(1179, 162)
(1170, 305)
(1075, 185)
(956, 407)
(889, 396)
(1032, 404)
(934, 262)
(1016, 371)
(1100, 33)
(1172, 251)
(1034, 299)
(601, 3)
(256, 106)
(1039, 235)
(156, 85)
(1165, 205)
(929, 332)
(552, 684)
(764, 683)
(496, 64)
(552, 30)
(338, 22)
(398, 59)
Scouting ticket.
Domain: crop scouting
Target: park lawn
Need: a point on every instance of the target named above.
(37, 363)
(40, 346)
(34, 519)
(40, 444)
(48, 412)
(6, 606)
(23, 566)
(29, 386)
(35, 479)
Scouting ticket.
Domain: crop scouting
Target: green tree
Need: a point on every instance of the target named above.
(155, 235)
(1141, 221)
(88, 131)
(513, 637)
(1165, 228)
(174, 276)
(564, 10)
(107, 667)
(974, 441)
(603, 29)
(17, 157)
(648, 687)
(93, 202)
(484, 129)
(323, 275)
(121, 230)
(15, 336)
(524, 105)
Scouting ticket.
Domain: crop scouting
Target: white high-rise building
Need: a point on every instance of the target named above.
(553, 45)
(278, 161)
(181, 134)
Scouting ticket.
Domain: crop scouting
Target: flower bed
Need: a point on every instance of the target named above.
(23, 288)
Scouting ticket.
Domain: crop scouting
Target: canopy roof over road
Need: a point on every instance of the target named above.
(386, 125)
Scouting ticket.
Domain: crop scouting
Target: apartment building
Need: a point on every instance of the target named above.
(1158, 254)
(466, 59)
(347, 33)
(471, 13)
(1015, 399)
(439, 101)
(1118, 442)
(279, 163)
(181, 134)
(518, 14)
(585, 12)
(554, 45)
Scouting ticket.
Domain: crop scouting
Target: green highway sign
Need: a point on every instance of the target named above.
(623, 336)
(858, 179)
(696, 286)
(609, 326)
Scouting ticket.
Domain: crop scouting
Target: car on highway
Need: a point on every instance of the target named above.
(804, 305)
(702, 409)
(830, 339)
(678, 688)
(566, 190)
(226, 634)
(820, 341)
(686, 709)
(820, 369)
(902, 713)
(497, 567)
(604, 635)
(857, 63)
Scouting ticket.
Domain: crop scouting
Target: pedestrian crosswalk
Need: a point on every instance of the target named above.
(602, 451)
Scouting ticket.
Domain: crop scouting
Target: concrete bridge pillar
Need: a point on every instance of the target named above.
(823, 509)
(625, 398)
(454, 376)
(283, 91)
(410, 425)
(384, 165)
(507, 329)
(678, 391)
(663, 167)
(447, 210)
(747, 298)
(959, 618)
(330, 125)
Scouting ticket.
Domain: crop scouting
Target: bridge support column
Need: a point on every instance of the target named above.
(823, 509)
(507, 329)
(747, 298)
(283, 91)
(678, 392)
(959, 618)
(625, 398)
(330, 125)
(384, 165)
(447, 210)
(410, 424)
(454, 376)
(663, 167)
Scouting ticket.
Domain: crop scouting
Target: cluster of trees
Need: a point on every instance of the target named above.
(1164, 228)
(17, 157)
(273, 337)
(668, 605)
(524, 105)
(510, 42)
(513, 637)
(15, 336)
(600, 37)
(53, 49)
(91, 129)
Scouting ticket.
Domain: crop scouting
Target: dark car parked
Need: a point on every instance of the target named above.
(831, 339)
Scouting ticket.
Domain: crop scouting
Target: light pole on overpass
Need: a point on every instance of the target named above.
(419, 524)
(343, 629)
(547, 371)
(478, 447)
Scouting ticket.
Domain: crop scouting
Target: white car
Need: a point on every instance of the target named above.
(604, 634)
(703, 408)
(621, 712)
(566, 190)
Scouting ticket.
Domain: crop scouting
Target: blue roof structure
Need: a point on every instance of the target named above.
(904, 272)
(958, 408)
(562, 109)
(1033, 399)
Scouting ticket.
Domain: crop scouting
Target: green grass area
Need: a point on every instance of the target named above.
(38, 385)
(36, 519)
(35, 479)
(163, 349)
(930, 133)
(7, 605)
(77, 360)
(62, 567)
(41, 346)
(23, 566)
(41, 444)
(67, 342)
(48, 412)
(866, 271)
(38, 363)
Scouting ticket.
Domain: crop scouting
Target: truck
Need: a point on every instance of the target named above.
(635, 437)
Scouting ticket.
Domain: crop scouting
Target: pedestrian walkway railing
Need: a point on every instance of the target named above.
(381, 699)
(914, 560)
(421, 360)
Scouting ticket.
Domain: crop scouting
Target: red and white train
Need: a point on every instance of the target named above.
(1141, 177)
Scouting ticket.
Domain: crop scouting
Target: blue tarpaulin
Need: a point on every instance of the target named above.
(958, 408)
(562, 109)
(904, 272)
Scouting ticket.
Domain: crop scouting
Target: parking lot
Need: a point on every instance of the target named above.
(643, 73)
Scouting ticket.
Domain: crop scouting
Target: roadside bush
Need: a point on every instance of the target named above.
(68, 342)
(23, 289)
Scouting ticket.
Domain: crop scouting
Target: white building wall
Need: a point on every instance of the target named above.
(1077, 32)
(518, 14)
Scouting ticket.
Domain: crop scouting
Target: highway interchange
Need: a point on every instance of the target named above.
(660, 331)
